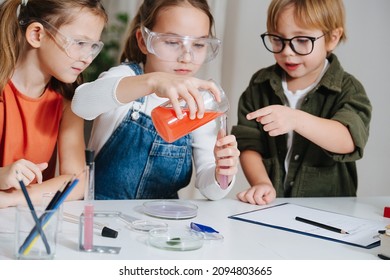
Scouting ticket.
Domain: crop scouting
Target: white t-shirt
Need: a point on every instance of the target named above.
(295, 101)
(97, 100)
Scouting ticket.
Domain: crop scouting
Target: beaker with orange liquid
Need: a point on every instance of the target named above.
(170, 128)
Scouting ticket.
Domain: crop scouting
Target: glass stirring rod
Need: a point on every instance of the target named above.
(223, 179)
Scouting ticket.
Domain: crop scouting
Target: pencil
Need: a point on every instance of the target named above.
(56, 196)
(32, 237)
(33, 213)
(383, 257)
(317, 224)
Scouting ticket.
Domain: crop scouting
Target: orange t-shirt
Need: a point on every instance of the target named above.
(29, 127)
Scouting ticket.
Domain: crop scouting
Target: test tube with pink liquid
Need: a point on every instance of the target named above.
(223, 179)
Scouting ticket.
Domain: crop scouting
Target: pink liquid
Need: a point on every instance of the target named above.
(223, 181)
(88, 227)
(170, 128)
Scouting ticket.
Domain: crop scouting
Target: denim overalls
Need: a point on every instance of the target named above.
(136, 163)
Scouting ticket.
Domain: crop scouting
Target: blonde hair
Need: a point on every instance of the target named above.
(325, 15)
(16, 15)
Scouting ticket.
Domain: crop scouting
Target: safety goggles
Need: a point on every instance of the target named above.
(175, 48)
(75, 49)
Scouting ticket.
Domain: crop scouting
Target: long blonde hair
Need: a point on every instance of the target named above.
(12, 42)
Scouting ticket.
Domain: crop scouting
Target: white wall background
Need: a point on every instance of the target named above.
(365, 55)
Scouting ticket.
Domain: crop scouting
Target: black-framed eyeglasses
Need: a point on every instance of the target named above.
(302, 45)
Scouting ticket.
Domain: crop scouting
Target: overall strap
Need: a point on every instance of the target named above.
(137, 105)
(136, 68)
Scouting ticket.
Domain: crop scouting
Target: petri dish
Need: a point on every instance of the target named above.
(167, 209)
(136, 224)
(175, 239)
(146, 226)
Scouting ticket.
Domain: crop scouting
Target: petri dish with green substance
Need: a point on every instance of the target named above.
(175, 239)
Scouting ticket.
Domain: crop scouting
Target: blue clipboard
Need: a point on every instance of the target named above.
(362, 232)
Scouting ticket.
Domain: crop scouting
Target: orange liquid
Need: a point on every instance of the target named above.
(170, 128)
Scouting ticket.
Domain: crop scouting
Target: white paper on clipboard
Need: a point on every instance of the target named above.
(362, 232)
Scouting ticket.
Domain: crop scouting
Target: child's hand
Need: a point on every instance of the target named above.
(27, 170)
(259, 194)
(226, 156)
(276, 119)
(178, 88)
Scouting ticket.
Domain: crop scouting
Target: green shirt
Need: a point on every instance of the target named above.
(312, 171)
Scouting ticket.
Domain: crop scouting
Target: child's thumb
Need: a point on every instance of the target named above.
(42, 166)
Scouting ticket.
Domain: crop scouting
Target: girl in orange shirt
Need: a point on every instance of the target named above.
(44, 47)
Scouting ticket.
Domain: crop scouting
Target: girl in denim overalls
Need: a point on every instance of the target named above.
(167, 43)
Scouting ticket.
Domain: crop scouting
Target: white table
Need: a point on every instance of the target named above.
(242, 241)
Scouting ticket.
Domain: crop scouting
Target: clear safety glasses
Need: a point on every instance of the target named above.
(174, 48)
(75, 49)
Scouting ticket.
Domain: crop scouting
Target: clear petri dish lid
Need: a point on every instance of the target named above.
(174, 239)
(136, 224)
(167, 209)
(146, 226)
